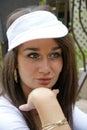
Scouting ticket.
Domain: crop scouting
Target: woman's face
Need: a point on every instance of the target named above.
(39, 63)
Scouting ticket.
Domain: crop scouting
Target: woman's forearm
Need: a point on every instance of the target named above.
(49, 109)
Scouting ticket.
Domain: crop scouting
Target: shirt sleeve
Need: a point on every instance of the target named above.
(11, 118)
(79, 119)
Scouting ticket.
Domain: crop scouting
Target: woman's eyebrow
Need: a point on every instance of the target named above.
(32, 49)
(37, 49)
(56, 48)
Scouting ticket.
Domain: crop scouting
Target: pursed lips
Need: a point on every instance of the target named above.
(44, 81)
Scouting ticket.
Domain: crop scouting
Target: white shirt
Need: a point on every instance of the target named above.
(12, 119)
(79, 119)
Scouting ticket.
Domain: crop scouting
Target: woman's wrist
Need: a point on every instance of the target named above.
(49, 110)
(47, 105)
(45, 102)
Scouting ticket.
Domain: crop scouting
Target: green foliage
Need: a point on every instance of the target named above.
(42, 2)
(79, 57)
(52, 3)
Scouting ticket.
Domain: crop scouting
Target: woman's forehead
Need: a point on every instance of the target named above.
(40, 43)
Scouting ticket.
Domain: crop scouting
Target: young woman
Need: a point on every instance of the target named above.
(40, 70)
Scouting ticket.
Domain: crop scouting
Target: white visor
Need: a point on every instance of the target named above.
(35, 25)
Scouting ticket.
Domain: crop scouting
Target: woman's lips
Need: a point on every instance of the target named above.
(44, 81)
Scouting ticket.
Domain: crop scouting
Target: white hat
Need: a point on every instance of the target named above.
(35, 25)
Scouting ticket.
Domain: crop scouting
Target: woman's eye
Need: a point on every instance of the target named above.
(55, 55)
(33, 55)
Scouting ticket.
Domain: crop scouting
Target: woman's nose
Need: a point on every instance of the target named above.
(45, 67)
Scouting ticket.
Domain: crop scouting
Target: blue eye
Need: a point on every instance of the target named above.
(55, 55)
(33, 55)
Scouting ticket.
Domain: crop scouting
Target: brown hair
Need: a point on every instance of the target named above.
(67, 82)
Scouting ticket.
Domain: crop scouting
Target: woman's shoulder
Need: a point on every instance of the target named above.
(4, 100)
(6, 104)
(10, 117)
(79, 119)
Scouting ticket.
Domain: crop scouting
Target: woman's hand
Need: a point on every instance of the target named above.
(49, 110)
(41, 92)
